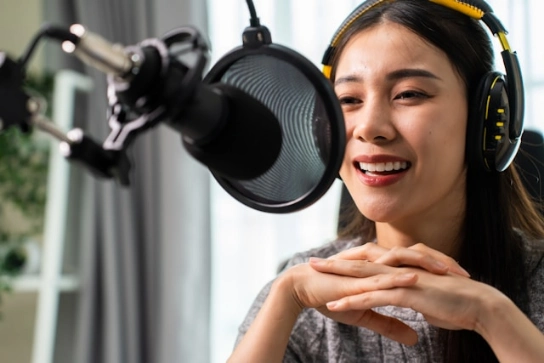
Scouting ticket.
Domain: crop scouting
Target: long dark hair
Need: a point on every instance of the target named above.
(497, 204)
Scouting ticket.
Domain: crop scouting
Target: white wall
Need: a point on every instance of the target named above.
(19, 22)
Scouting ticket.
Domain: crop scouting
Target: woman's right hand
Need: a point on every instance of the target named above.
(302, 286)
(312, 289)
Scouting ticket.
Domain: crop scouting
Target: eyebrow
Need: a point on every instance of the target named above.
(393, 76)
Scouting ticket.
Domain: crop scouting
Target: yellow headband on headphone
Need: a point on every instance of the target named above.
(463, 7)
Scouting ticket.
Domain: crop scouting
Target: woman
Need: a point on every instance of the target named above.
(390, 289)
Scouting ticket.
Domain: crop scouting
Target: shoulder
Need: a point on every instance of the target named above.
(534, 253)
(534, 272)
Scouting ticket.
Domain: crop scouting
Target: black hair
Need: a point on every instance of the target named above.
(497, 205)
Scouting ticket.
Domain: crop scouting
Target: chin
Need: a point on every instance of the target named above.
(378, 211)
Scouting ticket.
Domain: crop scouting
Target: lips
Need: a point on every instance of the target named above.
(381, 170)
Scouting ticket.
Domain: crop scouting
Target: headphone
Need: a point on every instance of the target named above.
(499, 102)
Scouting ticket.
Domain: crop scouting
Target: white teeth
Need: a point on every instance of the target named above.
(379, 167)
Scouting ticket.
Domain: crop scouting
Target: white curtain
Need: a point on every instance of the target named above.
(144, 251)
(248, 245)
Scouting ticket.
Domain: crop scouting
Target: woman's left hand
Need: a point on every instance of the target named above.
(417, 255)
(449, 301)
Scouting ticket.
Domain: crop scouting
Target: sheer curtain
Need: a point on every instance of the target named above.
(144, 251)
(248, 245)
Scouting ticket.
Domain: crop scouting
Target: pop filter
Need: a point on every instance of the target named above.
(310, 116)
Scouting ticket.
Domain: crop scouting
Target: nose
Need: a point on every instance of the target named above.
(372, 122)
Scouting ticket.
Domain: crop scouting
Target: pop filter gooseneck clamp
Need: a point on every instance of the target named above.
(264, 120)
(304, 102)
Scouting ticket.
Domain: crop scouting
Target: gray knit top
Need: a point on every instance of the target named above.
(316, 338)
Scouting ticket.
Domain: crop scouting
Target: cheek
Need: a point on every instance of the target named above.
(446, 140)
(345, 168)
(349, 124)
(450, 120)
(457, 130)
(436, 132)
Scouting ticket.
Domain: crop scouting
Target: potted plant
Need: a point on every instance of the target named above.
(23, 178)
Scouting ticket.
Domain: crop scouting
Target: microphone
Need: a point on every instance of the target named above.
(224, 128)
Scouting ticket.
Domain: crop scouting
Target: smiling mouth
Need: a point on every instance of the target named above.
(383, 168)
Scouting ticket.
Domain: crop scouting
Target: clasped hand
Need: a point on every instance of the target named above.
(345, 287)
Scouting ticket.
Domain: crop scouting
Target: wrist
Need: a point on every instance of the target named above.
(283, 288)
(495, 310)
(509, 332)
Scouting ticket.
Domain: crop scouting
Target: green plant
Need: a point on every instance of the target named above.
(23, 178)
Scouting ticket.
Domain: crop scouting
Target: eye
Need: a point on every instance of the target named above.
(411, 95)
(349, 101)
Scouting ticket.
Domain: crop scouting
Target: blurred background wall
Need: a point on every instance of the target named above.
(18, 23)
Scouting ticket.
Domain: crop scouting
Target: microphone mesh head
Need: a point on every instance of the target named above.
(300, 97)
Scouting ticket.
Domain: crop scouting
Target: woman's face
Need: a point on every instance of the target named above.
(405, 110)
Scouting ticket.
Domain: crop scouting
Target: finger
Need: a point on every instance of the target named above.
(407, 257)
(369, 251)
(389, 327)
(367, 300)
(373, 299)
(369, 276)
(430, 259)
(353, 268)
(439, 256)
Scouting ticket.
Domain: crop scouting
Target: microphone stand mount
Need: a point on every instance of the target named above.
(140, 94)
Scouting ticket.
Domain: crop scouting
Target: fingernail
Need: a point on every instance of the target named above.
(406, 276)
(440, 265)
(316, 261)
(465, 271)
(331, 305)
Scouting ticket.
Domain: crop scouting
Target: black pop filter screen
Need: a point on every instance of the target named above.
(311, 120)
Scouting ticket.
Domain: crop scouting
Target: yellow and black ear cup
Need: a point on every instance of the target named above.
(492, 123)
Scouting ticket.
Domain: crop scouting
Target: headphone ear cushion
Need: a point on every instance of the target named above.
(491, 146)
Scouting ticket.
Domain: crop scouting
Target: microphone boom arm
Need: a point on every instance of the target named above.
(147, 84)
